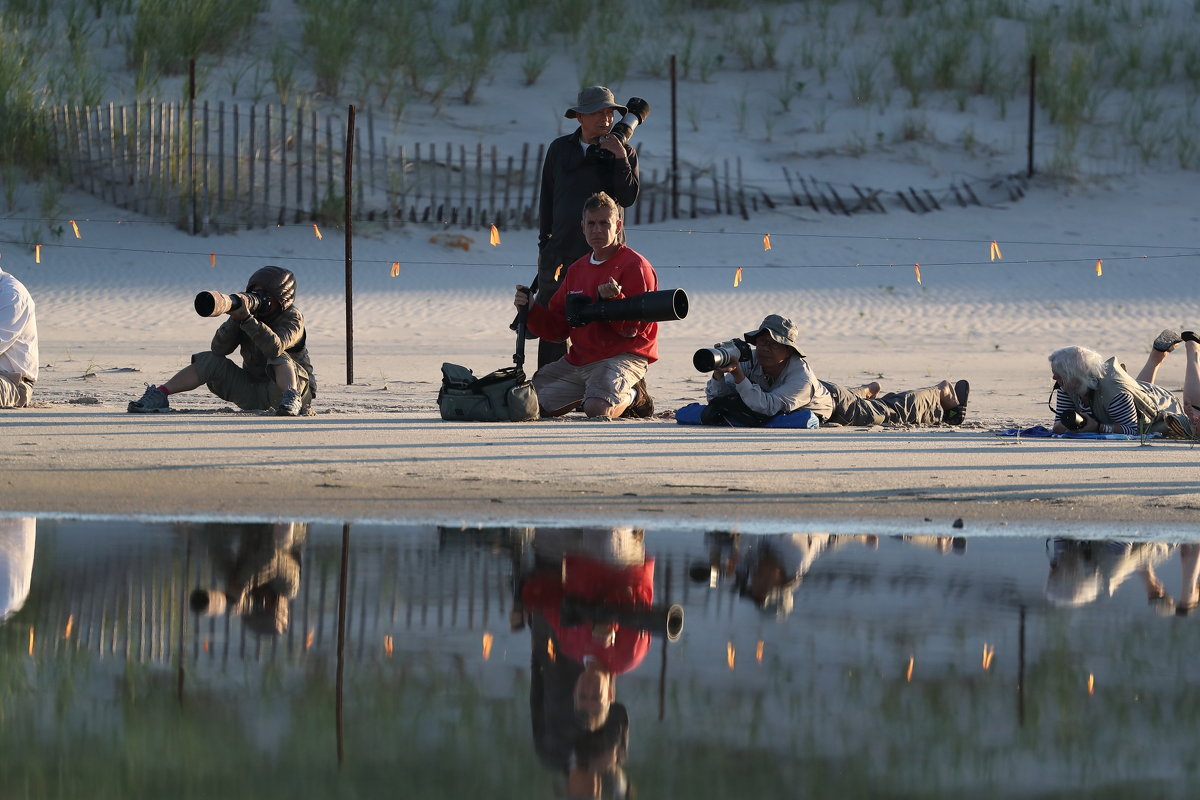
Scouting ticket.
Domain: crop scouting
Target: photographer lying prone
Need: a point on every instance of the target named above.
(750, 388)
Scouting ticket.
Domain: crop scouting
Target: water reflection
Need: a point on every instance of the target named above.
(17, 539)
(258, 567)
(285, 660)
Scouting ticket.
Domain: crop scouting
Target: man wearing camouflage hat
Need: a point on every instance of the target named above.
(776, 379)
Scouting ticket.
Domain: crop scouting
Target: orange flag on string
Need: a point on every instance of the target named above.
(37, 254)
(737, 277)
(317, 231)
(495, 236)
(917, 270)
(995, 251)
(766, 241)
(1099, 269)
(395, 269)
(212, 259)
(75, 228)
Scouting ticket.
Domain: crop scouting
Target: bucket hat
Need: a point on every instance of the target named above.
(593, 98)
(779, 328)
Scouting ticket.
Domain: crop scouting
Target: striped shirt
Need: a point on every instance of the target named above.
(1120, 411)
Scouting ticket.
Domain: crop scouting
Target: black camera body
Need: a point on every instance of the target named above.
(1072, 420)
(662, 306)
(721, 354)
(214, 304)
(639, 109)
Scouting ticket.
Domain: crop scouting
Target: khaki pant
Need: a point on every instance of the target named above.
(15, 390)
(229, 381)
(914, 407)
(560, 384)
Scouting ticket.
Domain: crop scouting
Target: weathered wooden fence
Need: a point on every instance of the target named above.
(217, 168)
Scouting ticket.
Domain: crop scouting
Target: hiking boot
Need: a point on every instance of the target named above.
(152, 401)
(643, 404)
(289, 405)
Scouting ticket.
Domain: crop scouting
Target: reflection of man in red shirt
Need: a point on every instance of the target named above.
(604, 649)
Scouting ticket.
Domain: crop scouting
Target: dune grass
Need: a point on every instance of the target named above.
(1094, 57)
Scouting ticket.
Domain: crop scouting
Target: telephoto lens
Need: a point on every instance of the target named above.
(214, 304)
(720, 355)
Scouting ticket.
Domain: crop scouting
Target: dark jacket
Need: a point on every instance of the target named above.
(568, 180)
(263, 340)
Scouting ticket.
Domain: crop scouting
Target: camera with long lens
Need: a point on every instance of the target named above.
(720, 355)
(214, 304)
(639, 109)
(664, 620)
(662, 306)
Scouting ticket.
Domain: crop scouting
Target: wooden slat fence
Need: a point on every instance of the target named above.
(211, 168)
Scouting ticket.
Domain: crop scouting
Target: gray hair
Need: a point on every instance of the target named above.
(1078, 367)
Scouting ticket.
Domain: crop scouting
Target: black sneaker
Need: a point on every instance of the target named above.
(152, 401)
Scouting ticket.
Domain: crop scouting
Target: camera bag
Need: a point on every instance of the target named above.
(501, 396)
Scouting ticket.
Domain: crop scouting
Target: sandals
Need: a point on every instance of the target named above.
(1167, 340)
(1189, 336)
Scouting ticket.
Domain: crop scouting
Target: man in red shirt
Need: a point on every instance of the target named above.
(605, 368)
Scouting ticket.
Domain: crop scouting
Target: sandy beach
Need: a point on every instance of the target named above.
(377, 448)
(1104, 262)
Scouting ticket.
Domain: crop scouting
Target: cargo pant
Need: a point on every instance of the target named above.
(231, 382)
(16, 391)
(913, 407)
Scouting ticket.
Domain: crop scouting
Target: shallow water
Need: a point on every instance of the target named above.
(425, 661)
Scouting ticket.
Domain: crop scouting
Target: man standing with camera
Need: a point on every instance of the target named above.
(605, 368)
(276, 371)
(577, 166)
(18, 343)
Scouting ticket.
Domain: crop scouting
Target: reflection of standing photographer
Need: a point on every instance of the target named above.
(276, 371)
(577, 166)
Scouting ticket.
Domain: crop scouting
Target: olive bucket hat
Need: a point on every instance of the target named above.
(593, 98)
(781, 329)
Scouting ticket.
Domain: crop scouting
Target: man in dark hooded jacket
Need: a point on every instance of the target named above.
(584, 162)
(276, 371)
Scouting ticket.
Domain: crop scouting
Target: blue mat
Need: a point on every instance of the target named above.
(690, 415)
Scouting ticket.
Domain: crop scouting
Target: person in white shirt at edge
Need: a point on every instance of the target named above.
(18, 343)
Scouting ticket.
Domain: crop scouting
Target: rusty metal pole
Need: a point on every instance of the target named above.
(195, 220)
(1032, 108)
(348, 158)
(674, 146)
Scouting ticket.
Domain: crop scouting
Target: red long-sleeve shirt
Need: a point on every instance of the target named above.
(599, 340)
(595, 581)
